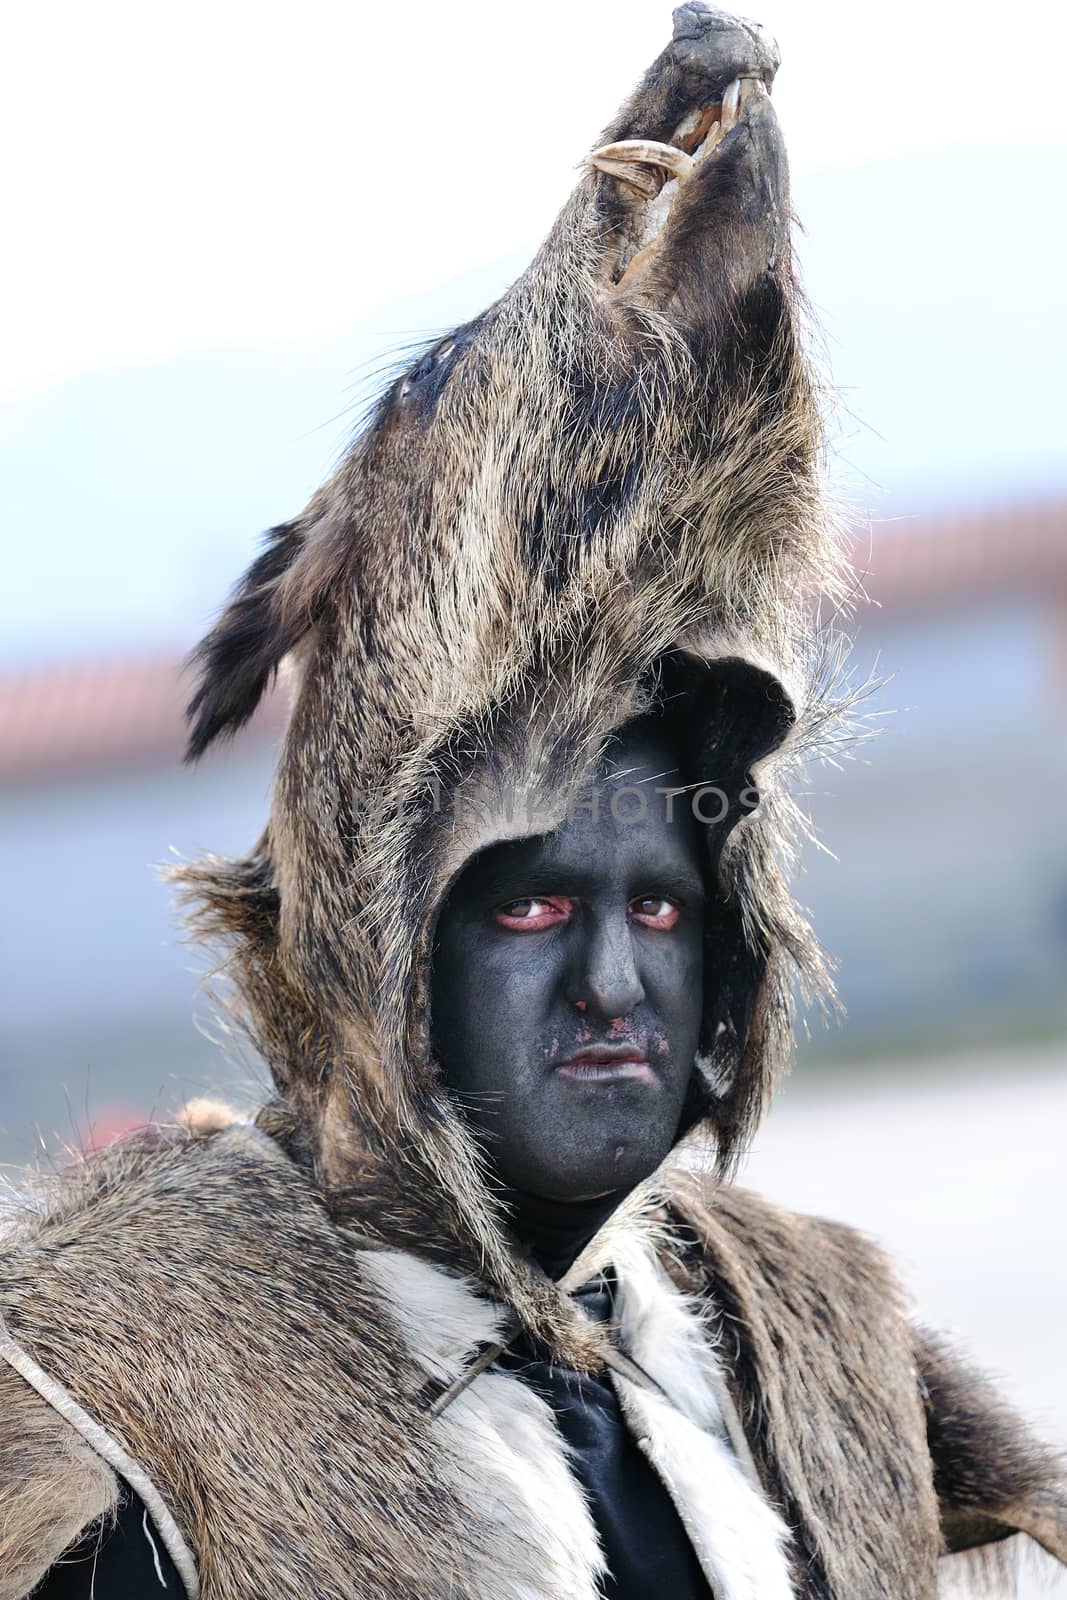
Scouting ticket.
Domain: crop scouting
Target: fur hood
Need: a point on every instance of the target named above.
(601, 494)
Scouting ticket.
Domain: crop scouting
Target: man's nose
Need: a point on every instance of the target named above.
(608, 979)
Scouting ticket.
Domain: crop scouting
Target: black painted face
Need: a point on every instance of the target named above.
(567, 987)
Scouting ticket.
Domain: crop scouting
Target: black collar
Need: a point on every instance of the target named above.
(555, 1232)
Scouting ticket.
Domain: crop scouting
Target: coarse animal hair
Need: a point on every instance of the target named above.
(267, 1343)
(266, 1366)
(600, 500)
(603, 492)
(63, 1487)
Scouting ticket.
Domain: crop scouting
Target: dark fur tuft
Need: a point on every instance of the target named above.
(239, 657)
(993, 1478)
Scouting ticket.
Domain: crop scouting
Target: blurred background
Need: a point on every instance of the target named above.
(223, 222)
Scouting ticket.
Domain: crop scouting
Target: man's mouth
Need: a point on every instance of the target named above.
(607, 1063)
(652, 174)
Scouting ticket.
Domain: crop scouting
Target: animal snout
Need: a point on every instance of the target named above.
(714, 42)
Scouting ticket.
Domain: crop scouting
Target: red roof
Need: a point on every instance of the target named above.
(91, 714)
(85, 715)
(952, 560)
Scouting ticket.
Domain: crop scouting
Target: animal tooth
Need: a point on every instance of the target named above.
(689, 124)
(628, 158)
(713, 137)
(731, 102)
(627, 172)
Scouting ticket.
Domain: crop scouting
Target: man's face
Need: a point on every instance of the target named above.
(568, 985)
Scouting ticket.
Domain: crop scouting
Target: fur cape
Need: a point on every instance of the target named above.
(601, 495)
(270, 1371)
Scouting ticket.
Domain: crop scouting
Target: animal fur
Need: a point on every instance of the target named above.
(193, 1294)
(601, 494)
(592, 495)
(54, 1487)
(268, 1368)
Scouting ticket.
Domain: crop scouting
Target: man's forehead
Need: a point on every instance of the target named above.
(639, 752)
(639, 769)
(615, 827)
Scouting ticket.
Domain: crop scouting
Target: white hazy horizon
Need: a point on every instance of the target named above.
(238, 175)
(221, 220)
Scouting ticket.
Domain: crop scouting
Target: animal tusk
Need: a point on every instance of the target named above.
(731, 105)
(628, 159)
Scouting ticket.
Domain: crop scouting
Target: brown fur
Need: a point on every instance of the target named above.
(597, 480)
(602, 483)
(191, 1291)
(993, 1478)
(905, 1452)
(276, 1408)
(824, 1363)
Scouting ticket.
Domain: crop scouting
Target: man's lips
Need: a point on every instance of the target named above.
(606, 1063)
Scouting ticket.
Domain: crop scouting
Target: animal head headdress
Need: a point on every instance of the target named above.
(601, 493)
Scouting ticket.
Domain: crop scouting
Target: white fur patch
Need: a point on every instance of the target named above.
(663, 1332)
(738, 1538)
(508, 1459)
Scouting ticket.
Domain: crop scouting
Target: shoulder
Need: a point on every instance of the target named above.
(816, 1313)
(161, 1227)
(192, 1175)
(78, 1249)
(812, 1305)
(742, 1234)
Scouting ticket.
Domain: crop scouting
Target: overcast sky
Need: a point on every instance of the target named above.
(216, 212)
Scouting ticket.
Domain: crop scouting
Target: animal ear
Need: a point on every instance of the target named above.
(992, 1477)
(242, 653)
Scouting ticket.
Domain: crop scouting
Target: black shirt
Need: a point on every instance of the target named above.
(129, 1562)
(648, 1551)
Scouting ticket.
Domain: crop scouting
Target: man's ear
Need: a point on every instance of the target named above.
(266, 617)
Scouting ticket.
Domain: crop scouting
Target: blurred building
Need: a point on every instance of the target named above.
(946, 905)
(945, 897)
(103, 1010)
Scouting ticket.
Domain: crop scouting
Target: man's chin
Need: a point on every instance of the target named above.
(595, 1169)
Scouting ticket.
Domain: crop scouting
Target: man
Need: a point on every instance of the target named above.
(607, 958)
(569, 985)
(345, 1347)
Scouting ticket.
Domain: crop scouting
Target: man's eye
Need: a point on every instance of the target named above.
(653, 911)
(533, 913)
